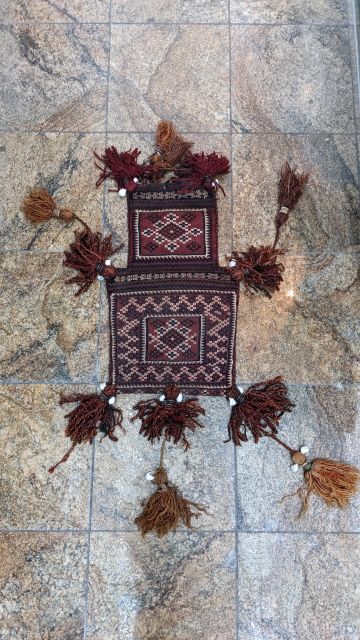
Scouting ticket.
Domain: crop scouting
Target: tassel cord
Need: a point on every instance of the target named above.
(283, 444)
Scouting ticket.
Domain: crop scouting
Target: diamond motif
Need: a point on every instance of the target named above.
(154, 217)
(193, 246)
(151, 246)
(172, 231)
(172, 246)
(188, 216)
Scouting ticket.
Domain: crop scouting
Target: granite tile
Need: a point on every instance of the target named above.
(178, 72)
(326, 419)
(54, 77)
(308, 331)
(327, 215)
(298, 586)
(47, 333)
(59, 11)
(176, 588)
(32, 439)
(116, 208)
(42, 585)
(62, 163)
(199, 11)
(291, 79)
(354, 37)
(204, 474)
(297, 11)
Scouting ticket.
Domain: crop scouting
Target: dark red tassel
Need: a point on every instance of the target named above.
(123, 168)
(93, 414)
(202, 169)
(258, 410)
(290, 189)
(169, 416)
(87, 255)
(258, 268)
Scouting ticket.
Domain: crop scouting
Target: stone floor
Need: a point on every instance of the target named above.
(263, 81)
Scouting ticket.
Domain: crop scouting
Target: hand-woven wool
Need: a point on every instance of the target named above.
(173, 318)
(173, 310)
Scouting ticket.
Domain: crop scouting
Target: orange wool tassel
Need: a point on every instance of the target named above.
(335, 482)
(170, 148)
(39, 206)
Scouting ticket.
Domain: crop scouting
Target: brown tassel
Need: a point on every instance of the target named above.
(166, 508)
(88, 255)
(169, 416)
(123, 168)
(335, 482)
(170, 148)
(290, 189)
(258, 268)
(201, 169)
(258, 409)
(39, 206)
(94, 413)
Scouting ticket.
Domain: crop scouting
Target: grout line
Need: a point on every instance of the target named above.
(337, 385)
(198, 133)
(195, 532)
(97, 364)
(355, 91)
(285, 253)
(88, 540)
(356, 41)
(79, 23)
(236, 505)
(351, 52)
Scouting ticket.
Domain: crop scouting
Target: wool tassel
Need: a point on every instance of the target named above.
(123, 168)
(335, 482)
(88, 255)
(94, 413)
(39, 206)
(290, 189)
(170, 148)
(166, 508)
(258, 409)
(258, 268)
(168, 416)
(201, 169)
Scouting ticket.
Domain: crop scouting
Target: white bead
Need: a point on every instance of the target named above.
(112, 400)
(122, 193)
(149, 477)
(162, 398)
(100, 278)
(102, 386)
(232, 402)
(294, 467)
(136, 180)
(179, 398)
(232, 263)
(217, 181)
(240, 389)
(304, 449)
(213, 184)
(108, 263)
